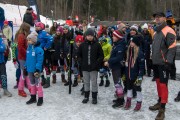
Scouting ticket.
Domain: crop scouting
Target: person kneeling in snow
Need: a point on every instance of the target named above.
(34, 62)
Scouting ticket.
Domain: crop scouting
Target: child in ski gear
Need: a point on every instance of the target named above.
(163, 53)
(16, 62)
(106, 46)
(115, 62)
(3, 75)
(91, 58)
(7, 31)
(45, 43)
(76, 71)
(53, 28)
(55, 54)
(134, 72)
(34, 63)
(64, 52)
(147, 48)
(20, 37)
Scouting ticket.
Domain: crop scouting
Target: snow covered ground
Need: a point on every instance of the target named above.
(59, 105)
(12, 13)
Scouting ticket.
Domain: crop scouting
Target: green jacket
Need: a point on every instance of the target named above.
(14, 50)
(106, 50)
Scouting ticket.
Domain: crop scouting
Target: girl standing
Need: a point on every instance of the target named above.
(134, 72)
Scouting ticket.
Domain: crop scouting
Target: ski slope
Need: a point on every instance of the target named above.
(12, 13)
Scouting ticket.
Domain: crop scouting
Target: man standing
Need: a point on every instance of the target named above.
(163, 52)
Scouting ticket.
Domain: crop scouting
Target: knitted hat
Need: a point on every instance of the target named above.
(145, 26)
(33, 37)
(66, 27)
(90, 31)
(102, 39)
(6, 22)
(121, 26)
(136, 39)
(79, 38)
(40, 24)
(59, 29)
(134, 27)
(117, 34)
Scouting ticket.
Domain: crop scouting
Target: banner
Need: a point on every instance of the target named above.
(33, 4)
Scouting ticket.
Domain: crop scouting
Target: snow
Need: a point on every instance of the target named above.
(12, 13)
(59, 105)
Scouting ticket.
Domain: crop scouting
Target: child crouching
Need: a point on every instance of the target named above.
(34, 61)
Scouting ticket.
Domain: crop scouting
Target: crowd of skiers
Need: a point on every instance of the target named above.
(120, 50)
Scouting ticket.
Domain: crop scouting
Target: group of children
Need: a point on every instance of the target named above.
(37, 51)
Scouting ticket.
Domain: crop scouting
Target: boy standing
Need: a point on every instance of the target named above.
(91, 57)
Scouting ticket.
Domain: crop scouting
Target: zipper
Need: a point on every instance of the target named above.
(163, 56)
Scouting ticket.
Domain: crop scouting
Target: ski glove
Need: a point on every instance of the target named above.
(138, 81)
(16, 65)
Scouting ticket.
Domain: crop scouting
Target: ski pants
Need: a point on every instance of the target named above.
(3, 75)
(161, 76)
(90, 76)
(36, 87)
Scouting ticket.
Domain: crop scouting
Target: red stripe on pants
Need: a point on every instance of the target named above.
(158, 87)
(164, 93)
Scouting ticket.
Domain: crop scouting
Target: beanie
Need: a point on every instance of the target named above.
(90, 31)
(117, 34)
(145, 26)
(33, 37)
(136, 39)
(134, 27)
(79, 38)
(59, 29)
(121, 26)
(66, 27)
(6, 22)
(40, 24)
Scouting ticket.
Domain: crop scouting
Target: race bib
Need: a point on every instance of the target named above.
(33, 53)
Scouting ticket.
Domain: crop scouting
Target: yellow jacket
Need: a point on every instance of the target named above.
(7, 31)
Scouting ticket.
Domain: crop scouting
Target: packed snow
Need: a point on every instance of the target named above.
(59, 105)
(15, 13)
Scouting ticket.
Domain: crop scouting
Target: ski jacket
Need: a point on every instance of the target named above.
(34, 58)
(164, 45)
(45, 39)
(91, 56)
(106, 50)
(28, 18)
(117, 55)
(22, 46)
(2, 50)
(135, 69)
